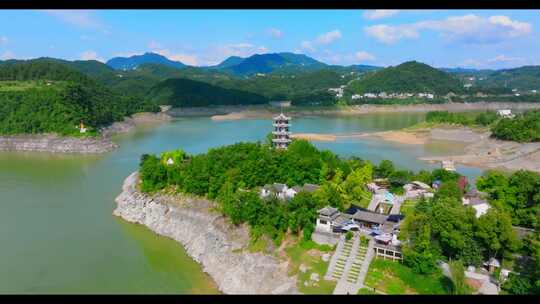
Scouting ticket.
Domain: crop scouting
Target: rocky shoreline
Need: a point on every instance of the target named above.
(208, 238)
(53, 143)
(56, 144)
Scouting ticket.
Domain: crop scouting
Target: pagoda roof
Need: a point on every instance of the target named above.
(281, 116)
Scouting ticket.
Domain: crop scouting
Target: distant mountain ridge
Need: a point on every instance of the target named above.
(132, 62)
(267, 63)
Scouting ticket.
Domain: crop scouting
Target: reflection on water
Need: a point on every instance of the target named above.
(59, 235)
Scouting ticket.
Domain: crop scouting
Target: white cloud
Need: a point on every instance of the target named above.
(7, 55)
(158, 48)
(379, 13)
(364, 56)
(91, 55)
(275, 33)
(184, 58)
(127, 54)
(390, 34)
(329, 37)
(470, 29)
(218, 53)
(307, 46)
(504, 58)
(3, 40)
(79, 18)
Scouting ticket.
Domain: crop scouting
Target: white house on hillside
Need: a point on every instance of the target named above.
(505, 113)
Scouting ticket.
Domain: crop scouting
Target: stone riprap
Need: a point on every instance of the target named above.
(208, 238)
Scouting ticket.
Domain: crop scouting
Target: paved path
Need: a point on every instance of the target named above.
(398, 201)
(375, 199)
(349, 265)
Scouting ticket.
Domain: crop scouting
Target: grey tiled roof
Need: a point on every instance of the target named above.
(371, 217)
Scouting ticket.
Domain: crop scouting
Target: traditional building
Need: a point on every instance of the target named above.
(281, 132)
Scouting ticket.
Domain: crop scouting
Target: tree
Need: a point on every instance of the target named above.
(153, 174)
(385, 168)
(494, 231)
(449, 189)
(457, 276)
(355, 184)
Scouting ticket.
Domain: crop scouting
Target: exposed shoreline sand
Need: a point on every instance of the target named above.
(222, 113)
(480, 150)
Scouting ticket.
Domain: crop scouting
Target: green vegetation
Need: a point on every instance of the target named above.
(231, 174)
(517, 194)
(42, 96)
(457, 276)
(181, 92)
(309, 253)
(441, 228)
(395, 278)
(523, 128)
(522, 78)
(410, 77)
(462, 118)
(528, 280)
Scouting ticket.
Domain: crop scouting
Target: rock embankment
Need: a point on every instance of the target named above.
(208, 239)
(84, 145)
(56, 144)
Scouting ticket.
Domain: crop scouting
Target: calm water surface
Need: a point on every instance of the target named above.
(56, 225)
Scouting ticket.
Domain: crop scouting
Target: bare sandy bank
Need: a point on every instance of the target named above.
(314, 136)
(480, 150)
(221, 113)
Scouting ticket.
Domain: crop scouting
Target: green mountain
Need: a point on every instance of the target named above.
(412, 76)
(522, 78)
(267, 63)
(229, 62)
(182, 92)
(132, 62)
(46, 95)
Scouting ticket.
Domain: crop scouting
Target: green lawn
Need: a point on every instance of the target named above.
(395, 278)
(309, 253)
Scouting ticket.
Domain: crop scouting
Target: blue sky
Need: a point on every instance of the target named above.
(449, 38)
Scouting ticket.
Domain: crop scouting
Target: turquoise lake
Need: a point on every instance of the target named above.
(56, 224)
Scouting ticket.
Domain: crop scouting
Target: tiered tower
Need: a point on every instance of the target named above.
(281, 132)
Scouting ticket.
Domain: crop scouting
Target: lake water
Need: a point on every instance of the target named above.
(58, 233)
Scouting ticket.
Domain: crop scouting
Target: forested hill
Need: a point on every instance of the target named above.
(182, 92)
(410, 77)
(45, 95)
(522, 78)
(268, 63)
(132, 62)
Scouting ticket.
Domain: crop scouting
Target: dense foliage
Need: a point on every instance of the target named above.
(181, 92)
(523, 128)
(465, 119)
(43, 95)
(518, 194)
(410, 77)
(443, 228)
(230, 174)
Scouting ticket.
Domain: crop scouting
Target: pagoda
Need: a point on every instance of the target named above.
(281, 133)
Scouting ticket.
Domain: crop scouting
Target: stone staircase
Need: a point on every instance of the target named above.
(349, 265)
(340, 259)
